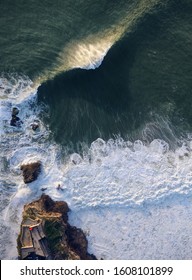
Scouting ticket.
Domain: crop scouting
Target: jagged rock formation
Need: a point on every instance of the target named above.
(31, 171)
(60, 240)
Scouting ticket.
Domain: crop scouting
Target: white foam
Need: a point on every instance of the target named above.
(18, 145)
(127, 176)
(15, 87)
(128, 199)
(132, 200)
(153, 232)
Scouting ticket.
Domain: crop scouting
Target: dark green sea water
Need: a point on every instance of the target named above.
(143, 87)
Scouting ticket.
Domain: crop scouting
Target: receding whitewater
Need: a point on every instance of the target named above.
(133, 201)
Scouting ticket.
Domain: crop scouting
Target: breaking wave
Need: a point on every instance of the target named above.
(74, 35)
(132, 175)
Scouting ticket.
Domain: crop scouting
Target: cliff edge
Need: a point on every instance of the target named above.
(46, 234)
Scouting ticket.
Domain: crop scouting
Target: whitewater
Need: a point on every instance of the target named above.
(133, 200)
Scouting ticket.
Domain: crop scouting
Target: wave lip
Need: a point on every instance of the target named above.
(92, 56)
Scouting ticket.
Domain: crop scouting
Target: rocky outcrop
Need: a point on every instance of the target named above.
(15, 120)
(65, 242)
(31, 171)
(15, 111)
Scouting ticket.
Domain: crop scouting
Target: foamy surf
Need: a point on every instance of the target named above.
(132, 200)
(152, 232)
(18, 144)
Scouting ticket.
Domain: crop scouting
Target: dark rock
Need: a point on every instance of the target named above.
(15, 111)
(15, 121)
(76, 239)
(31, 171)
(34, 126)
(64, 241)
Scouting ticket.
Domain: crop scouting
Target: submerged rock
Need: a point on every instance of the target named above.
(31, 171)
(35, 125)
(46, 222)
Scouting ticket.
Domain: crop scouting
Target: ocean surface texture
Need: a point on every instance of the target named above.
(110, 85)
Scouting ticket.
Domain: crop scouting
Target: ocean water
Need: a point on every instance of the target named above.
(110, 85)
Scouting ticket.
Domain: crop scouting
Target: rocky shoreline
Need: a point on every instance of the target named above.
(46, 234)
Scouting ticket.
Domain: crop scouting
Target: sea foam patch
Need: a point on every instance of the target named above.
(124, 174)
(140, 194)
(153, 232)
